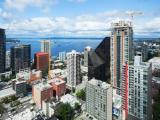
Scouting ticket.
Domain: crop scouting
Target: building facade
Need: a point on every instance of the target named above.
(138, 96)
(2, 50)
(121, 50)
(41, 92)
(20, 57)
(99, 61)
(8, 59)
(46, 46)
(41, 61)
(86, 50)
(62, 56)
(73, 68)
(20, 87)
(99, 99)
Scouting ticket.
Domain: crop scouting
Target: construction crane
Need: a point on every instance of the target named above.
(132, 14)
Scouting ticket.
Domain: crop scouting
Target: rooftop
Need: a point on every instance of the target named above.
(43, 86)
(57, 81)
(69, 99)
(99, 83)
(6, 92)
(120, 24)
(41, 53)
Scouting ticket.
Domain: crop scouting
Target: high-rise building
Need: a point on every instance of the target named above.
(8, 59)
(41, 92)
(41, 61)
(62, 56)
(20, 57)
(86, 50)
(136, 92)
(46, 46)
(99, 99)
(121, 50)
(2, 50)
(99, 61)
(73, 69)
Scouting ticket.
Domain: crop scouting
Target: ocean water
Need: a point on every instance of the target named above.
(59, 45)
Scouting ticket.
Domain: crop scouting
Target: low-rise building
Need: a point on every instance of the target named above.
(20, 87)
(40, 92)
(59, 86)
(69, 99)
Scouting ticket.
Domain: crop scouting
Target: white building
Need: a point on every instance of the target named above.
(99, 99)
(73, 69)
(46, 46)
(121, 50)
(62, 56)
(140, 87)
(8, 59)
(86, 50)
(69, 99)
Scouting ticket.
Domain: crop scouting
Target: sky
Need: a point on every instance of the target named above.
(77, 18)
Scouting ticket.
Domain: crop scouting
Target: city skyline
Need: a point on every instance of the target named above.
(77, 18)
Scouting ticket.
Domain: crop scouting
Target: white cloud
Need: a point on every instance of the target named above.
(20, 5)
(5, 15)
(82, 25)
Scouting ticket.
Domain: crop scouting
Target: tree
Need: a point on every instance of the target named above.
(13, 98)
(81, 94)
(77, 106)
(65, 112)
(2, 109)
(6, 100)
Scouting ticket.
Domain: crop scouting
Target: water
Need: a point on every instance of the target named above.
(59, 45)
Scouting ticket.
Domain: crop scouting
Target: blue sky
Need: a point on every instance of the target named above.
(77, 17)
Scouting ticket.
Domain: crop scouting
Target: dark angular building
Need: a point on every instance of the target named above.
(99, 61)
(20, 57)
(2, 50)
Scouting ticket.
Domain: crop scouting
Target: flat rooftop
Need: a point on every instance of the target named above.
(99, 83)
(42, 86)
(7, 92)
(57, 81)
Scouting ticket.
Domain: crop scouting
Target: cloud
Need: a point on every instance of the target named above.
(21, 5)
(82, 25)
(6, 16)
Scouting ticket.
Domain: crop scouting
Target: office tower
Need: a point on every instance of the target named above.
(138, 98)
(20, 87)
(73, 69)
(8, 59)
(121, 50)
(2, 50)
(41, 61)
(99, 61)
(99, 99)
(46, 46)
(41, 92)
(20, 57)
(62, 56)
(144, 50)
(86, 50)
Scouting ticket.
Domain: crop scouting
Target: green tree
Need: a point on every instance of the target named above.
(81, 94)
(65, 112)
(2, 109)
(13, 98)
(77, 106)
(6, 100)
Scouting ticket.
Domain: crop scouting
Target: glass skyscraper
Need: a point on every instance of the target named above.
(2, 50)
